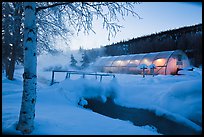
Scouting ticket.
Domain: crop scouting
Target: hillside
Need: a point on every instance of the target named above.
(188, 39)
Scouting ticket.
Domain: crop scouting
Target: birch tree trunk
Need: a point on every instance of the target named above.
(27, 112)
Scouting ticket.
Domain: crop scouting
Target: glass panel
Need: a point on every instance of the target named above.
(110, 61)
(129, 57)
(171, 66)
(114, 69)
(161, 58)
(135, 60)
(160, 61)
(178, 60)
(160, 70)
(164, 54)
(148, 58)
(129, 63)
(126, 61)
(124, 66)
(103, 61)
(118, 61)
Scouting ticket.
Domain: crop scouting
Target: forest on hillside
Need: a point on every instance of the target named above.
(187, 39)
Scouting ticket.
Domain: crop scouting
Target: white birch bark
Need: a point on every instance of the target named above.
(27, 112)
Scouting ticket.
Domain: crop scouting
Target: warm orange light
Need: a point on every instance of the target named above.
(146, 61)
(160, 62)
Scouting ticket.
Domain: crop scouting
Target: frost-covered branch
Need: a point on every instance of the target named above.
(50, 6)
(80, 15)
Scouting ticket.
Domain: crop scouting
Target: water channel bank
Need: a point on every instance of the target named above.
(139, 117)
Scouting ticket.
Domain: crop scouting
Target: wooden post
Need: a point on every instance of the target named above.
(96, 75)
(52, 77)
(143, 72)
(66, 75)
(152, 71)
(101, 78)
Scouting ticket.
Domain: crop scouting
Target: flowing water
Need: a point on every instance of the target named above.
(139, 117)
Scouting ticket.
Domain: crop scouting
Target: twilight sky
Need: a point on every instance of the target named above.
(157, 17)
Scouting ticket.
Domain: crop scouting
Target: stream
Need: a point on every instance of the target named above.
(139, 117)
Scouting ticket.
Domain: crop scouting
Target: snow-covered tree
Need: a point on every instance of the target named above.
(73, 61)
(7, 35)
(81, 49)
(51, 28)
(27, 112)
(85, 60)
(16, 38)
(80, 16)
(11, 36)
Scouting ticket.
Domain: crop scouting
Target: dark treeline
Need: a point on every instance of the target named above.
(12, 37)
(188, 39)
(13, 32)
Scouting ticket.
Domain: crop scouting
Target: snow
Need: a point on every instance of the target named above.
(177, 97)
(178, 94)
(142, 66)
(152, 66)
(48, 62)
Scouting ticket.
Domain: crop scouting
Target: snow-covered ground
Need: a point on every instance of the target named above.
(57, 111)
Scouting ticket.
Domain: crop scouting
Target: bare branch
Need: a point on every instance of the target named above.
(80, 14)
(51, 6)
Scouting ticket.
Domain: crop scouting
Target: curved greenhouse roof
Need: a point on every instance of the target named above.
(166, 62)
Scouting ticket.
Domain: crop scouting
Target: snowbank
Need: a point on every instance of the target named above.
(180, 97)
(57, 112)
(177, 97)
(184, 98)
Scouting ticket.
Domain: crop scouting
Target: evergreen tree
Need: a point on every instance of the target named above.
(12, 50)
(81, 49)
(73, 61)
(85, 60)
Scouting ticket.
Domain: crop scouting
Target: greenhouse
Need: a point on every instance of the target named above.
(166, 62)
